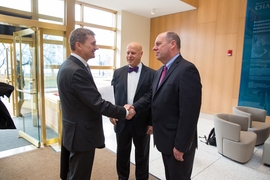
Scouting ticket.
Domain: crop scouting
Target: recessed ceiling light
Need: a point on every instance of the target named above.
(153, 11)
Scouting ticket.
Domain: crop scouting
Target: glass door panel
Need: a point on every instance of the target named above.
(5, 72)
(26, 85)
(53, 48)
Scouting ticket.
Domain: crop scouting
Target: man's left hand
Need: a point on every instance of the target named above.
(178, 155)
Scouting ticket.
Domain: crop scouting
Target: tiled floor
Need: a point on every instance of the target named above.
(209, 164)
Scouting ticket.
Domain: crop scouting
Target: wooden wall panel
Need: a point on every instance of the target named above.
(187, 49)
(174, 21)
(223, 75)
(205, 46)
(242, 8)
(218, 74)
(155, 28)
(206, 34)
(238, 62)
(189, 21)
(207, 11)
(226, 21)
(188, 35)
(194, 3)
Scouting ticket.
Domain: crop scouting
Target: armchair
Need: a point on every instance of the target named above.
(256, 121)
(233, 139)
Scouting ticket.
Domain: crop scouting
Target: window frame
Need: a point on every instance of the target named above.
(81, 23)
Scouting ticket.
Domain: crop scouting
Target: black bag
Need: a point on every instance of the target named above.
(211, 139)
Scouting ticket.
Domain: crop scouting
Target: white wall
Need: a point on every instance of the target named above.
(130, 28)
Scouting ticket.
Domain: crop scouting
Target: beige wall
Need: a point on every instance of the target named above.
(132, 27)
(206, 34)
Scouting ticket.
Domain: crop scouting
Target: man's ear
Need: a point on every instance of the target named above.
(173, 43)
(78, 45)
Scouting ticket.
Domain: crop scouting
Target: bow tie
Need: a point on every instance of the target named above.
(130, 69)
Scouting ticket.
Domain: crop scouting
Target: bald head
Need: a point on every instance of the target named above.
(135, 45)
(134, 53)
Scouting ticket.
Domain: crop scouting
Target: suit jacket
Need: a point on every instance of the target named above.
(82, 107)
(6, 121)
(175, 106)
(119, 83)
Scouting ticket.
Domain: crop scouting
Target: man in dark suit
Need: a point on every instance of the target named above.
(175, 100)
(82, 108)
(130, 83)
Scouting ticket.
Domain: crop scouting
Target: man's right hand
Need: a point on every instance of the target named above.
(131, 111)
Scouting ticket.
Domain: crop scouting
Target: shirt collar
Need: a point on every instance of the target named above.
(80, 58)
(169, 63)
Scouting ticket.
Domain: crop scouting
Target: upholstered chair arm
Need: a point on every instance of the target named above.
(232, 131)
(241, 120)
(226, 129)
(241, 111)
(257, 114)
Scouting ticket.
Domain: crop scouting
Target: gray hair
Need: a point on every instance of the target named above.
(173, 36)
(79, 35)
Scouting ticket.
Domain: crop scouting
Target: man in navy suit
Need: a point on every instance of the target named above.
(82, 108)
(175, 100)
(130, 83)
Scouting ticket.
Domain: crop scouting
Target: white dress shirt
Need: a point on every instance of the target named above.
(132, 82)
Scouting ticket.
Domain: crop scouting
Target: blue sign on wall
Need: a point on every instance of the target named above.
(255, 75)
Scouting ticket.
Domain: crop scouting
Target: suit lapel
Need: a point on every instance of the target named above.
(168, 74)
(156, 80)
(77, 61)
(141, 79)
(125, 74)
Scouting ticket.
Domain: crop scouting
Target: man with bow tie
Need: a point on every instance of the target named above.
(130, 83)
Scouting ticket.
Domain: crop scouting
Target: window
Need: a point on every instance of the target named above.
(103, 36)
(104, 57)
(51, 11)
(53, 54)
(105, 18)
(23, 5)
(56, 8)
(105, 29)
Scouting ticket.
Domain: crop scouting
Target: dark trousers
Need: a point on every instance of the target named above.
(76, 165)
(80, 165)
(64, 162)
(177, 170)
(124, 144)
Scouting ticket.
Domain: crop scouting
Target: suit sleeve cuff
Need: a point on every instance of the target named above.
(127, 113)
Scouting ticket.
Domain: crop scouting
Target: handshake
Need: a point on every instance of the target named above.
(131, 113)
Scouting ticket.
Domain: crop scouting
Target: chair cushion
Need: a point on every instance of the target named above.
(266, 152)
(240, 151)
(262, 130)
(259, 126)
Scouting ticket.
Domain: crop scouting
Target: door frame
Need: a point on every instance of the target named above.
(18, 38)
